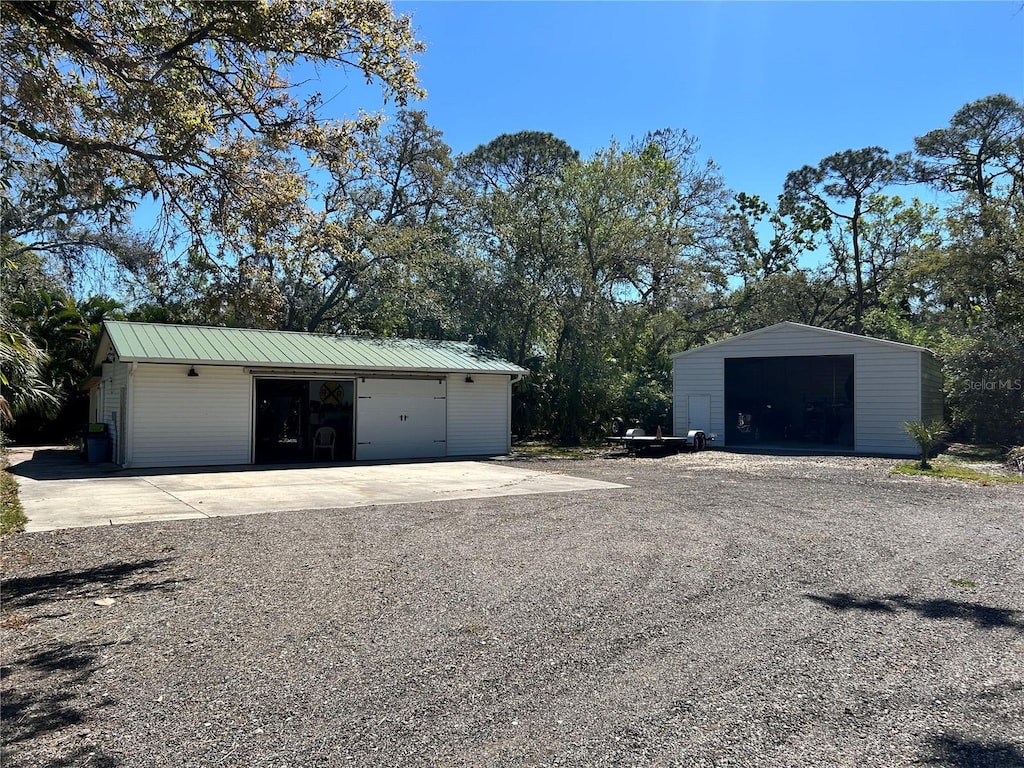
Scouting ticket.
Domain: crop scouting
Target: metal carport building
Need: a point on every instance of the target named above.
(797, 386)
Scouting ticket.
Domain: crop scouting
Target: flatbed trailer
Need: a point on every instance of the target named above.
(637, 440)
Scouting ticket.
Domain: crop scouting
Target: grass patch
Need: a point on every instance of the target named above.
(963, 583)
(957, 471)
(542, 449)
(12, 516)
(973, 452)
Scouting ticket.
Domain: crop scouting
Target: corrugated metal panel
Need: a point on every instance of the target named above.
(153, 342)
(186, 421)
(787, 326)
(699, 375)
(888, 395)
(478, 416)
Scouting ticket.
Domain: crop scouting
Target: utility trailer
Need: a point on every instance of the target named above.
(635, 440)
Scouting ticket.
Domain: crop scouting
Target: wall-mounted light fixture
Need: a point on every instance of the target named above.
(469, 379)
(192, 371)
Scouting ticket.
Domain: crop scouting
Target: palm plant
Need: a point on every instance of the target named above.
(23, 384)
(927, 435)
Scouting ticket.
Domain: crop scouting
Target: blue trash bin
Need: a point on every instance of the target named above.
(97, 444)
(97, 449)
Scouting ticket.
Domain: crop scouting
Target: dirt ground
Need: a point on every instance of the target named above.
(721, 610)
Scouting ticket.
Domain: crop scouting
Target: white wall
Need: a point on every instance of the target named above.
(182, 421)
(479, 415)
(701, 375)
(887, 382)
(178, 420)
(115, 381)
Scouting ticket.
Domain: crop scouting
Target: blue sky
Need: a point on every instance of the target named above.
(766, 87)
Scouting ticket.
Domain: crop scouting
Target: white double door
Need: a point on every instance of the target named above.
(400, 418)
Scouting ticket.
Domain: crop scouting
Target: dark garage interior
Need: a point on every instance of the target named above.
(290, 412)
(793, 402)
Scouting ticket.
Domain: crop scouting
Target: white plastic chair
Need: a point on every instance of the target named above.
(323, 440)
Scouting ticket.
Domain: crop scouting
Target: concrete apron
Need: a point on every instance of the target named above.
(114, 499)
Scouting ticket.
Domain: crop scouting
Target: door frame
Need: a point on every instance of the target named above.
(306, 377)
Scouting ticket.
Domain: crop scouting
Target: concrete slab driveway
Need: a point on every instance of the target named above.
(59, 491)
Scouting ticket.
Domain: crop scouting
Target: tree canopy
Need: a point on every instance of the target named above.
(182, 146)
(107, 104)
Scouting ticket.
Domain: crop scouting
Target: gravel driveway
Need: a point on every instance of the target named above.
(723, 610)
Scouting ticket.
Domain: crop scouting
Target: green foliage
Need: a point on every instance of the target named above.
(838, 197)
(984, 379)
(187, 105)
(927, 436)
(46, 345)
(749, 256)
(955, 472)
(23, 384)
(980, 151)
(12, 516)
(587, 268)
(588, 271)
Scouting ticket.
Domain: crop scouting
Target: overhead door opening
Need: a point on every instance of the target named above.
(797, 401)
(303, 420)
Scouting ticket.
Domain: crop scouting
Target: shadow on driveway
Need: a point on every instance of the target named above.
(982, 616)
(967, 753)
(58, 463)
(23, 592)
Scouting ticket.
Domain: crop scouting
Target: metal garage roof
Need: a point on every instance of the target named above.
(787, 324)
(160, 343)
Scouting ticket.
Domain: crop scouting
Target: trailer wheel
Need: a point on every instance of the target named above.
(618, 427)
(699, 442)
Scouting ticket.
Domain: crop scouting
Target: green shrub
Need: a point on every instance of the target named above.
(928, 437)
(12, 516)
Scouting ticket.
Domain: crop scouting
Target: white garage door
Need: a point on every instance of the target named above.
(400, 418)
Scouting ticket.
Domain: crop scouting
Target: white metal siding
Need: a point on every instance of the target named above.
(180, 420)
(887, 382)
(888, 395)
(702, 375)
(479, 415)
(400, 418)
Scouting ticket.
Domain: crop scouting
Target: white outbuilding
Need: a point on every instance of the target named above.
(178, 395)
(794, 386)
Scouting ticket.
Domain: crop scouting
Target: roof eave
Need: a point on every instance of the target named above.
(322, 367)
(829, 331)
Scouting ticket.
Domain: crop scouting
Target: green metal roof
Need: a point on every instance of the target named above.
(159, 343)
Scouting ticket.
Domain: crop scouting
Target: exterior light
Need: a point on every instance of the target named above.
(192, 371)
